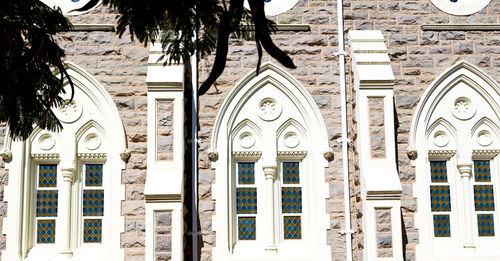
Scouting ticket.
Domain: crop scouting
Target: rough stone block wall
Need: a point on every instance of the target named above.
(164, 130)
(120, 65)
(417, 58)
(163, 235)
(317, 70)
(377, 128)
(384, 233)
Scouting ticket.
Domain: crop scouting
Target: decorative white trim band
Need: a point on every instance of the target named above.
(460, 27)
(247, 155)
(45, 156)
(92, 156)
(487, 153)
(441, 154)
(297, 155)
(93, 27)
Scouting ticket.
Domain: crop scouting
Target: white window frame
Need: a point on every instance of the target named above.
(440, 133)
(96, 113)
(230, 123)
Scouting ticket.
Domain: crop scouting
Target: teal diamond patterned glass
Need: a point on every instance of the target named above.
(291, 200)
(246, 173)
(93, 202)
(47, 176)
(92, 230)
(46, 231)
(438, 172)
(485, 225)
(292, 227)
(483, 198)
(46, 203)
(440, 198)
(93, 175)
(442, 226)
(246, 200)
(246, 228)
(291, 173)
(482, 171)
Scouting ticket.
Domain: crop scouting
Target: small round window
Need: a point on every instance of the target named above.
(276, 7)
(460, 7)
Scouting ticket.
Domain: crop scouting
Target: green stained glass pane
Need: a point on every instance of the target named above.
(93, 202)
(246, 173)
(93, 175)
(291, 173)
(47, 176)
(483, 198)
(440, 198)
(246, 200)
(246, 228)
(482, 171)
(442, 226)
(485, 225)
(438, 172)
(46, 231)
(46, 203)
(292, 227)
(291, 200)
(92, 230)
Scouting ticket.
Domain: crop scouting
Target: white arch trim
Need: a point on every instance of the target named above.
(460, 72)
(269, 73)
(20, 165)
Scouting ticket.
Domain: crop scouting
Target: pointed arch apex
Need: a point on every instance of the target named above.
(273, 74)
(462, 71)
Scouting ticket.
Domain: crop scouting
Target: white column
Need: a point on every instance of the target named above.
(465, 170)
(68, 173)
(270, 175)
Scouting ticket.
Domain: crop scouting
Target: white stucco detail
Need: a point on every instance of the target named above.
(470, 138)
(299, 116)
(380, 185)
(100, 117)
(164, 189)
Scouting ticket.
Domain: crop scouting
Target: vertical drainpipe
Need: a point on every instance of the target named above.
(343, 109)
(194, 156)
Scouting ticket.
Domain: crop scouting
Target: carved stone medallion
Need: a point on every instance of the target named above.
(69, 112)
(463, 108)
(441, 139)
(92, 141)
(247, 140)
(484, 138)
(269, 109)
(291, 139)
(46, 141)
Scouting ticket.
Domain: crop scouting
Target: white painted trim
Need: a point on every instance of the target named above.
(237, 108)
(17, 225)
(433, 111)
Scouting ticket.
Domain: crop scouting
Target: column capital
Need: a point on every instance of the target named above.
(269, 171)
(465, 169)
(68, 173)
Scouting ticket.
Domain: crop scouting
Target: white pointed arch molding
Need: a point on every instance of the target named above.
(456, 121)
(92, 133)
(268, 119)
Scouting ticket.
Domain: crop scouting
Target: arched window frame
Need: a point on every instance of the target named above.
(226, 152)
(71, 151)
(439, 134)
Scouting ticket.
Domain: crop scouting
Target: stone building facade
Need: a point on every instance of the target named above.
(423, 137)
